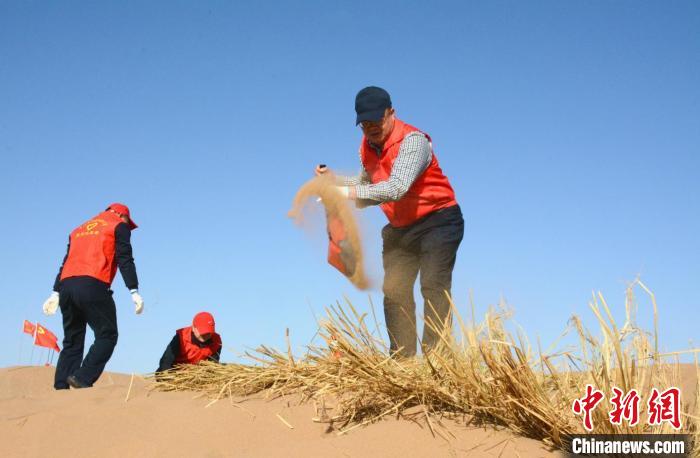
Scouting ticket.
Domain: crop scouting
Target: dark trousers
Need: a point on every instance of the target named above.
(428, 246)
(85, 301)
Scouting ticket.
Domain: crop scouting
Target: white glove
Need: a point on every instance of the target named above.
(138, 301)
(51, 304)
(344, 190)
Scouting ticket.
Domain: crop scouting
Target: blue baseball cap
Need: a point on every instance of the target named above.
(371, 103)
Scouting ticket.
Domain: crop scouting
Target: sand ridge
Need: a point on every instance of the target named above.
(36, 420)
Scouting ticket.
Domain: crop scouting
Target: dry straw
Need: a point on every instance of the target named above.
(479, 374)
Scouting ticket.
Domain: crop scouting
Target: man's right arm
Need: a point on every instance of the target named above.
(56, 283)
(169, 355)
(357, 180)
(361, 178)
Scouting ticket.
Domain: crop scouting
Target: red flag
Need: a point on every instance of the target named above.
(29, 328)
(45, 338)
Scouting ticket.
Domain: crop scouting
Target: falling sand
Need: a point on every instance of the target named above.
(336, 206)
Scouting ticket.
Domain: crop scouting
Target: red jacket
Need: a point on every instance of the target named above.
(190, 352)
(431, 191)
(92, 249)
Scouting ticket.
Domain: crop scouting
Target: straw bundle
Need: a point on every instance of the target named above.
(480, 374)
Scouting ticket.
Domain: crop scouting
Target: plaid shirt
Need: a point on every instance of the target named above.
(415, 154)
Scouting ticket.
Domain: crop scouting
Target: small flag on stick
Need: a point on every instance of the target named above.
(28, 328)
(45, 338)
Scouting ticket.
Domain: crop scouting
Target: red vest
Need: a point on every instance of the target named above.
(190, 352)
(92, 249)
(431, 191)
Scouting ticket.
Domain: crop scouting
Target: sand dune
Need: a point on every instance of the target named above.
(36, 420)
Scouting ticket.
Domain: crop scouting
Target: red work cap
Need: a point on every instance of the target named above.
(204, 322)
(124, 211)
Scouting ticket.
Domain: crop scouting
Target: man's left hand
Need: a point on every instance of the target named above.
(51, 304)
(138, 302)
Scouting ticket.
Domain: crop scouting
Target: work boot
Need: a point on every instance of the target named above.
(75, 383)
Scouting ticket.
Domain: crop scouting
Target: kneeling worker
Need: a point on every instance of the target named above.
(193, 344)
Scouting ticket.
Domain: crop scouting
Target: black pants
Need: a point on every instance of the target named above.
(428, 246)
(85, 301)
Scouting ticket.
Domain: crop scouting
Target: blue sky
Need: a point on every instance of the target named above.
(569, 130)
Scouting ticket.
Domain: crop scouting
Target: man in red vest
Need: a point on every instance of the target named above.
(401, 174)
(82, 289)
(193, 344)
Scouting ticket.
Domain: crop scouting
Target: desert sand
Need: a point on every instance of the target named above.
(36, 420)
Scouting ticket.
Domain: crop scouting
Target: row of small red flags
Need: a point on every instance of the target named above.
(42, 336)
